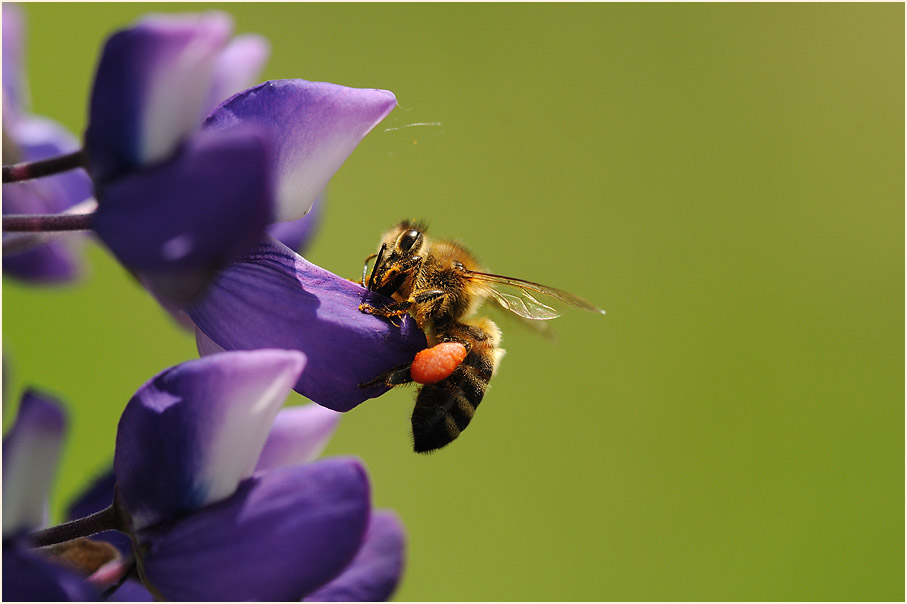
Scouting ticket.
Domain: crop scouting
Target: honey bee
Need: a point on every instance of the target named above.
(441, 285)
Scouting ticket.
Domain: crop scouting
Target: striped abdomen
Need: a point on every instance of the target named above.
(443, 410)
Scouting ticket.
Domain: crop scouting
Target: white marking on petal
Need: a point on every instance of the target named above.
(178, 87)
(31, 452)
(238, 440)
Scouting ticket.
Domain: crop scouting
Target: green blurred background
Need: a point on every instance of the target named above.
(726, 180)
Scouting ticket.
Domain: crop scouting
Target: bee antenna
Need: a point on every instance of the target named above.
(371, 278)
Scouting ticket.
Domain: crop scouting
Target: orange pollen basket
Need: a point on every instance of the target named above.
(437, 363)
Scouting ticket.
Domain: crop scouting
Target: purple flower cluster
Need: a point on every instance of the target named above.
(189, 176)
(218, 490)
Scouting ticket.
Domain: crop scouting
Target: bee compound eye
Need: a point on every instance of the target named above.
(408, 240)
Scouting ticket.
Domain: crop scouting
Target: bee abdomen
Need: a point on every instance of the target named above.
(443, 410)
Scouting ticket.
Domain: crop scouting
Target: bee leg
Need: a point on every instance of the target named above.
(392, 310)
(426, 295)
(398, 309)
(392, 377)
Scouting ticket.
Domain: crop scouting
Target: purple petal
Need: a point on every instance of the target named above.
(131, 591)
(15, 91)
(237, 67)
(31, 453)
(192, 433)
(298, 436)
(375, 572)
(283, 534)
(51, 262)
(274, 298)
(149, 89)
(29, 578)
(177, 223)
(298, 234)
(317, 126)
(34, 138)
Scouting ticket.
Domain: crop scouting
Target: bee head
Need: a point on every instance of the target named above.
(397, 257)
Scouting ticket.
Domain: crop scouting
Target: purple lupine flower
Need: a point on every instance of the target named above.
(28, 138)
(173, 205)
(297, 437)
(274, 298)
(209, 474)
(262, 155)
(31, 452)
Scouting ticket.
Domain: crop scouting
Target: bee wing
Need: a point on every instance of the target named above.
(524, 305)
(516, 296)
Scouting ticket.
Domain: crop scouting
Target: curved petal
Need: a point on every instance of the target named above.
(298, 234)
(298, 436)
(31, 452)
(282, 534)
(317, 126)
(29, 578)
(374, 573)
(15, 88)
(149, 88)
(177, 223)
(237, 67)
(274, 298)
(192, 433)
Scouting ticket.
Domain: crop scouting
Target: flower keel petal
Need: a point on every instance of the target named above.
(274, 298)
(178, 223)
(280, 536)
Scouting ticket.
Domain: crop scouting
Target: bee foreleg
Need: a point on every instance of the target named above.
(392, 377)
(398, 309)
